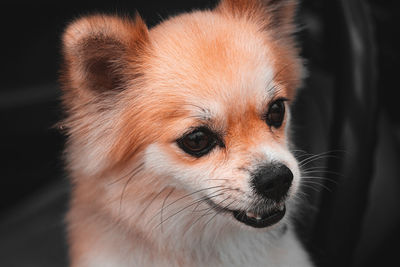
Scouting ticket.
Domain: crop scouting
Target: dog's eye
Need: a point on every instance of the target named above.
(198, 143)
(276, 113)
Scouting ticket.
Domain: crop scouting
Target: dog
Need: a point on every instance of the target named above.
(178, 143)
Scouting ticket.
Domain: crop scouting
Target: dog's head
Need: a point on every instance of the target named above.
(199, 103)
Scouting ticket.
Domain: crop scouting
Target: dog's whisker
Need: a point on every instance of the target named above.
(190, 194)
(208, 198)
(196, 201)
(132, 173)
(316, 157)
(207, 212)
(218, 212)
(136, 170)
(316, 189)
(320, 178)
(310, 183)
(198, 204)
(179, 211)
(313, 159)
(209, 208)
(152, 200)
(180, 198)
(205, 198)
(322, 172)
(302, 156)
(162, 207)
(301, 194)
(210, 211)
(314, 169)
(323, 155)
(310, 168)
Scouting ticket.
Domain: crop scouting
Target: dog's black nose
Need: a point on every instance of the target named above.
(272, 181)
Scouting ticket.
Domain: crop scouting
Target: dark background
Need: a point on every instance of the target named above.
(359, 224)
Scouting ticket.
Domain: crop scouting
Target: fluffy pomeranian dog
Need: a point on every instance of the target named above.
(178, 145)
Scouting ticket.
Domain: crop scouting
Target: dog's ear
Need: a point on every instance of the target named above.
(102, 53)
(273, 15)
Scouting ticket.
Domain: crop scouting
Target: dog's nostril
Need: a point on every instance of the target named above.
(273, 181)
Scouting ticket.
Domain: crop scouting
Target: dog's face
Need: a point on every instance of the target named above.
(201, 101)
(231, 133)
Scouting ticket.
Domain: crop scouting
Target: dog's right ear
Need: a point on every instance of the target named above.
(101, 54)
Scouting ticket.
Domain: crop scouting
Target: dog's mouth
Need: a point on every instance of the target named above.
(257, 220)
(260, 220)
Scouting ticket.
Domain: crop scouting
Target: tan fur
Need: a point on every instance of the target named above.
(130, 93)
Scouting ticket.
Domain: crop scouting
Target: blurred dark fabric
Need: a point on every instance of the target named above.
(33, 233)
(359, 222)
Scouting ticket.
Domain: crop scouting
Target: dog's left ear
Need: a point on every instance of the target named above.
(272, 15)
(101, 53)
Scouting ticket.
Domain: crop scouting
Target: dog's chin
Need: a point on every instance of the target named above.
(260, 219)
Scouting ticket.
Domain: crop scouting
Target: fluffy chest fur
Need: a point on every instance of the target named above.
(226, 247)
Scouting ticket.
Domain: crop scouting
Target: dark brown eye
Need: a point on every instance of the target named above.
(276, 113)
(198, 143)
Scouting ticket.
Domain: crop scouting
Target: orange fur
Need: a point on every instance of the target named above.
(130, 93)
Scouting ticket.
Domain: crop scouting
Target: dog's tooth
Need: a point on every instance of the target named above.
(281, 207)
(250, 215)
